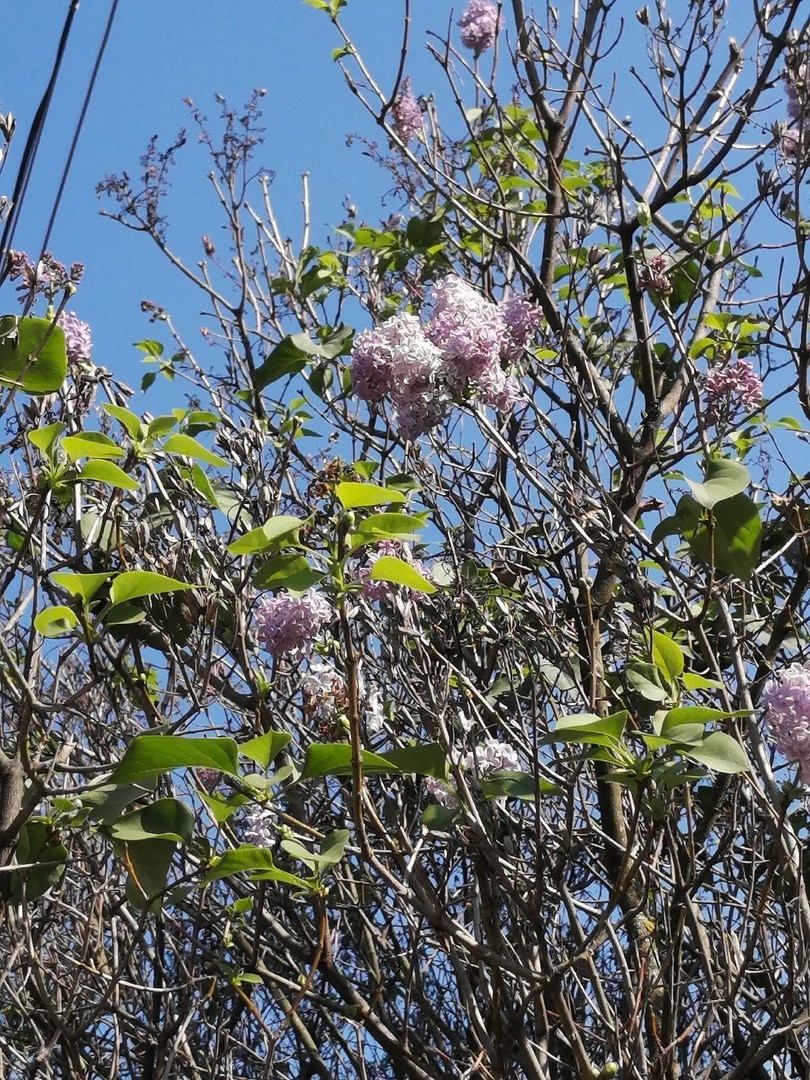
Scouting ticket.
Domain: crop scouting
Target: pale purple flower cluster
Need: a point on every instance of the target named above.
(479, 23)
(289, 624)
(489, 757)
(654, 275)
(77, 337)
(407, 113)
(257, 828)
(462, 348)
(443, 793)
(796, 133)
(396, 360)
(492, 756)
(730, 388)
(786, 704)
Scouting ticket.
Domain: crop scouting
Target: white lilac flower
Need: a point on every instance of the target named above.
(479, 23)
(375, 715)
(785, 703)
(441, 792)
(492, 756)
(257, 826)
(77, 337)
(289, 624)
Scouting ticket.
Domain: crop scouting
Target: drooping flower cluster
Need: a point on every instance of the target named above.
(289, 624)
(460, 350)
(729, 389)
(786, 704)
(77, 337)
(407, 113)
(480, 23)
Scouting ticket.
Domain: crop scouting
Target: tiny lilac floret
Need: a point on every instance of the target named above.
(480, 23)
(785, 703)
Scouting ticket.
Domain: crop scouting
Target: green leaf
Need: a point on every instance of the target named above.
(85, 586)
(724, 479)
(128, 420)
(667, 656)
(264, 748)
(589, 728)
(55, 621)
(107, 472)
(133, 584)
(290, 571)
(107, 803)
(151, 755)
(733, 535)
(352, 495)
(287, 358)
(161, 426)
(427, 760)
(643, 678)
(188, 447)
(720, 752)
(332, 849)
(39, 338)
(254, 860)
(149, 862)
(439, 818)
(269, 535)
(166, 819)
(691, 681)
(390, 568)
(335, 759)
(92, 444)
(222, 808)
(387, 527)
(696, 714)
(516, 785)
(45, 437)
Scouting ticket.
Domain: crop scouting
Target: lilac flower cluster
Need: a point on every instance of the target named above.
(786, 704)
(480, 23)
(488, 757)
(407, 113)
(289, 624)
(729, 388)
(47, 277)
(326, 697)
(796, 133)
(461, 349)
(77, 337)
(257, 827)
(654, 275)
(492, 756)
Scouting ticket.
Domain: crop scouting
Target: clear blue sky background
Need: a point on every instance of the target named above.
(161, 51)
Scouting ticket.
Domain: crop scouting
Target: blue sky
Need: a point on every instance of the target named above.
(160, 52)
